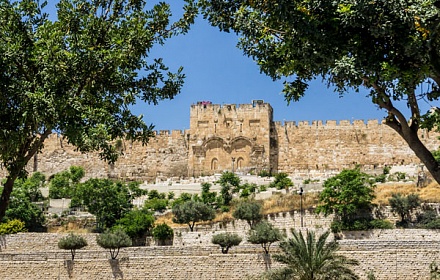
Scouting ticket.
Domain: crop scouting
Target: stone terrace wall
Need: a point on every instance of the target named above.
(389, 254)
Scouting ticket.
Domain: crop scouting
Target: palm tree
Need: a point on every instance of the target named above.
(312, 259)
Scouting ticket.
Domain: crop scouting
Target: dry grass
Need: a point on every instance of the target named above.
(430, 193)
(284, 203)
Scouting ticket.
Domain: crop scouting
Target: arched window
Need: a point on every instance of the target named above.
(240, 163)
(214, 164)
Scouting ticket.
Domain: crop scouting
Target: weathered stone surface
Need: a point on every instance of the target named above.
(248, 134)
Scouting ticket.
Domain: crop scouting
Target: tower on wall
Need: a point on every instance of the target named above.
(226, 137)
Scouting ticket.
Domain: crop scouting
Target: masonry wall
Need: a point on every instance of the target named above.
(248, 135)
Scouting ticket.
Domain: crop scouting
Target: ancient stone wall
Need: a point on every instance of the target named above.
(244, 138)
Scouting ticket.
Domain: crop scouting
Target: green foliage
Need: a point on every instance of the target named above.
(171, 195)
(230, 183)
(429, 219)
(79, 73)
(381, 224)
(72, 242)
(263, 188)
(248, 211)
(208, 197)
(22, 206)
(106, 199)
(226, 240)
(152, 194)
(300, 41)
(113, 241)
(282, 181)
(434, 271)
(264, 234)
(191, 212)
(156, 204)
(264, 173)
(403, 206)
(346, 195)
(12, 226)
(182, 198)
(436, 155)
(63, 184)
(360, 224)
(162, 232)
(136, 223)
(308, 258)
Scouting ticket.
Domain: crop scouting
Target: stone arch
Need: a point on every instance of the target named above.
(240, 163)
(241, 149)
(214, 164)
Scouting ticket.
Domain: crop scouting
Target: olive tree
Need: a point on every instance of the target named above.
(72, 242)
(250, 211)
(78, 73)
(226, 240)
(191, 212)
(265, 234)
(113, 241)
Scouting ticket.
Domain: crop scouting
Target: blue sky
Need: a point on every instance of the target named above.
(217, 71)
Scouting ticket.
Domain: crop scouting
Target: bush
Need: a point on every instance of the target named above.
(72, 242)
(360, 224)
(381, 224)
(136, 223)
(162, 233)
(156, 204)
(264, 173)
(113, 241)
(226, 241)
(12, 227)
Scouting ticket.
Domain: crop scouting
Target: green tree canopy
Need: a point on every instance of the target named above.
(136, 223)
(282, 181)
(72, 242)
(250, 211)
(162, 233)
(390, 48)
(310, 258)
(109, 201)
(226, 240)
(230, 183)
(191, 212)
(346, 194)
(404, 205)
(113, 241)
(63, 184)
(79, 73)
(265, 234)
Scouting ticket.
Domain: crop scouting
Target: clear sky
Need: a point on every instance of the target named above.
(217, 71)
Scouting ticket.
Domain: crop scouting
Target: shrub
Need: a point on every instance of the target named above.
(156, 204)
(12, 227)
(226, 241)
(162, 233)
(136, 223)
(381, 224)
(113, 241)
(403, 206)
(72, 242)
(264, 173)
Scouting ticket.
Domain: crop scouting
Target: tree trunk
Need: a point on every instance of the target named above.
(6, 194)
(412, 139)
